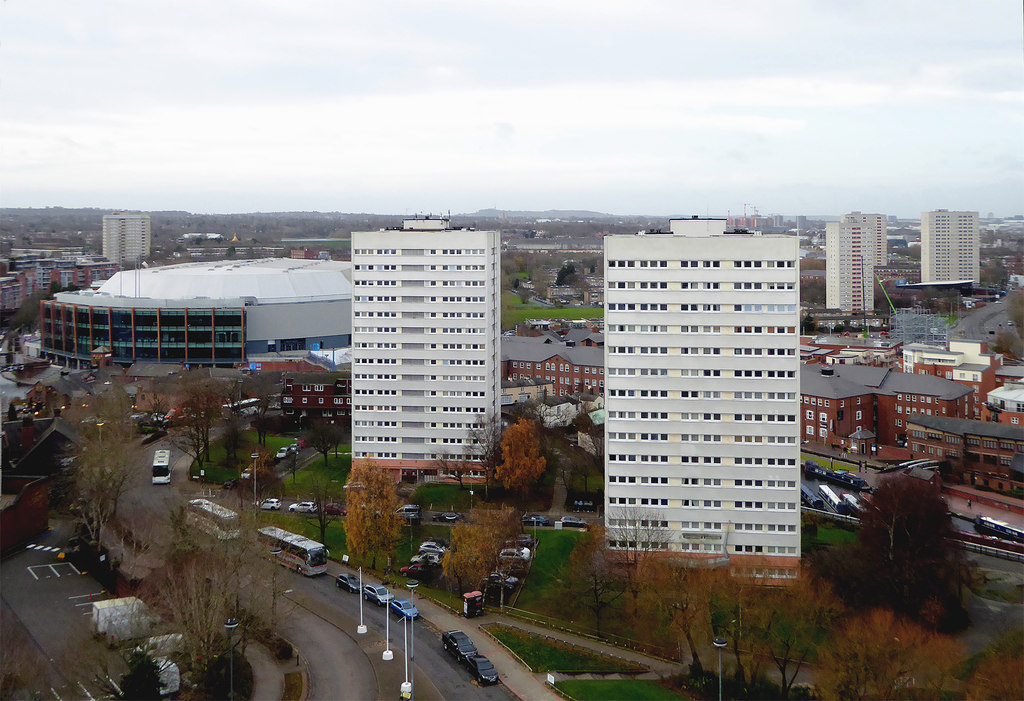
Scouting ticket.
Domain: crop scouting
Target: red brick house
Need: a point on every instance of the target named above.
(981, 453)
(856, 407)
(310, 397)
(570, 369)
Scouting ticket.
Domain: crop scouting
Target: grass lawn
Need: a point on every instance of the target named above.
(216, 468)
(336, 469)
(552, 554)
(832, 464)
(826, 535)
(616, 690)
(512, 316)
(543, 654)
(445, 497)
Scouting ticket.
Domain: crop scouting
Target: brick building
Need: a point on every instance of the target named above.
(571, 369)
(310, 397)
(853, 407)
(1006, 404)
(966, 362)
(980, 453)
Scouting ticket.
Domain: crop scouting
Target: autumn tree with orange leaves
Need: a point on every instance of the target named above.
(522, 463)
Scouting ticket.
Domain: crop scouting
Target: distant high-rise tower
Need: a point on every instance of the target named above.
(849, 266)
(126, 238)
(425, 354)
(877, 223)
(702, 392)
(949, 246)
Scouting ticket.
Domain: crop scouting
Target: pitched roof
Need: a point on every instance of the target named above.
(963, 427)
(536, 350)
(853, 380)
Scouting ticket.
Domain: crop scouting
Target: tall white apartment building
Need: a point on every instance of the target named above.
(702, 395)
(425, 343)
(126, 237)
(850, 249)
(949, 246)
(878, 224)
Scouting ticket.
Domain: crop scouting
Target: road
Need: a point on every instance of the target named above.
(323, 625)
(982, 324)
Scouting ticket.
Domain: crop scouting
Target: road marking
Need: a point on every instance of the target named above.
(82, 596)
(32, 573)
(53, 568)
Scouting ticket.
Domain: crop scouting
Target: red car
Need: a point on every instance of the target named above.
(414, 568)
(335, 509)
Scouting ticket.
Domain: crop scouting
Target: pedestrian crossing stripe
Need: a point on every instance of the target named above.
(44, 548)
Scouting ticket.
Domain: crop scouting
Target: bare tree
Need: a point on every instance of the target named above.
(106, 458)
(200, 410)
(638, 532)
(323, 491)
(595, 583)
(486, 440)
(323, 437)
(263, 387)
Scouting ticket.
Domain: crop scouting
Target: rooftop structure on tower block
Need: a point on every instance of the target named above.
(702, 395)
(203, 313)
(425, 354)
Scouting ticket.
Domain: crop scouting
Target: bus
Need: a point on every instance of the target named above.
(245, 407)
(218, 521)
(832, 500)
(294, 551)
(810, 499)
(162, 467)
(1000, 529)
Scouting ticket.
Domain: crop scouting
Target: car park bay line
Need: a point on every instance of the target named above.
(53, 568)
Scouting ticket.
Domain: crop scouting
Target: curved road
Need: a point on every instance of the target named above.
(979, 322)
(345, 665)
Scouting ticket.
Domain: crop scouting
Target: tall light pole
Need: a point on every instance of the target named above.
(388, 653)
(720, 643)
(361, 628)
(406, 685)
(412, 584)
(255, 457)
(99, 425)
(229, 626)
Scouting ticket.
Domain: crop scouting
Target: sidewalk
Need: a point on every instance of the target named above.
(267, 673)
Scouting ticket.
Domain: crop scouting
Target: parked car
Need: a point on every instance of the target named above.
(348, 581)
(536, 520)
(458, 645)
(301, 442)
(293, 448)
(377, 594)
(304, 507)
(495, 579)
(525, 540)
(281, 454)
(414, 568)
(334, 509)
(514, 554)
(573, 522)
(403, 608)
(449, 516)
(426, 559)
(271, 505)
(482, 669)
(432, 547)
(230, 484)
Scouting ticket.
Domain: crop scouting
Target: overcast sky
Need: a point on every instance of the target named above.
(629, 107)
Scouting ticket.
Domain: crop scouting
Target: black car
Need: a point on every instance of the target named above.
(536, 520)
(458, 645)
(496, 579)
(482, 669)
(574, 522)
(349, 582)
(230, 484)
(448, 517)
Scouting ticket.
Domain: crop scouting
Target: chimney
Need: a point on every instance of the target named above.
(28, 433)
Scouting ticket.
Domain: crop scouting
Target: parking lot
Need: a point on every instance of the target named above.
(47, 605)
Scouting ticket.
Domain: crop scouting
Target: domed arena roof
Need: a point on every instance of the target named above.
(268, 280)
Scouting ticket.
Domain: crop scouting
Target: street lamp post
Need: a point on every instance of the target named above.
(229, 627)
(470, 499)
(388, 653)
(720, 643)
(99, 425)
(406, 685)
(254, 457)
(361, 628)
(412, 584)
